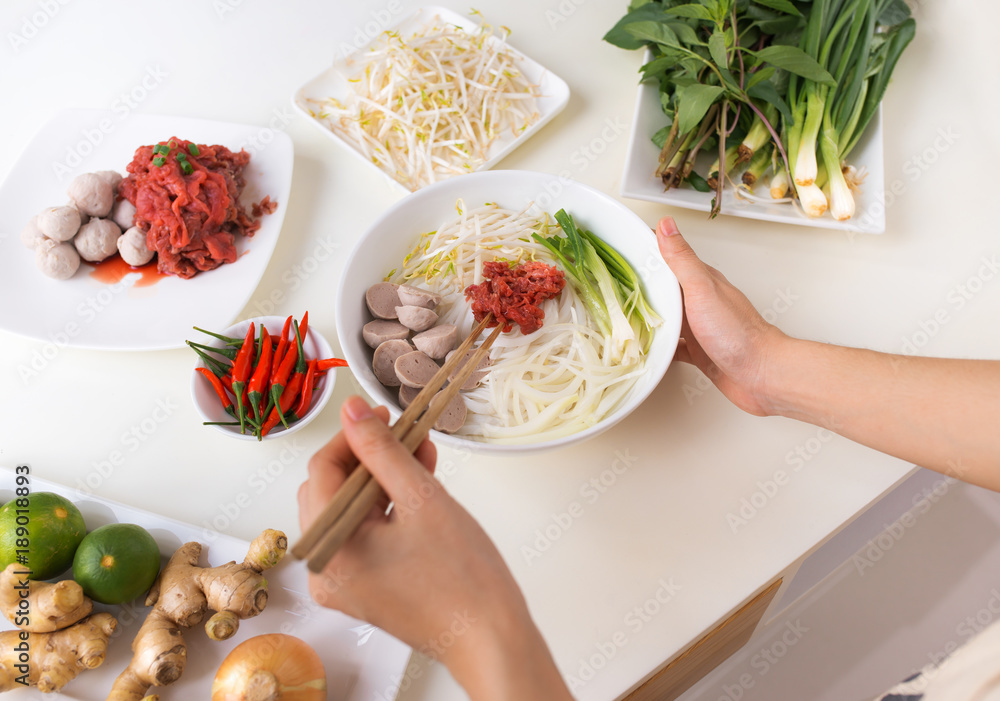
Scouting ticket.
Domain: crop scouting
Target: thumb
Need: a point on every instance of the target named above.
(679, 256)
(396, 469)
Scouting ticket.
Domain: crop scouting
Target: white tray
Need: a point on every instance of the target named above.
(639, 181)
(85, 313)
(332, 82)
(362, 662)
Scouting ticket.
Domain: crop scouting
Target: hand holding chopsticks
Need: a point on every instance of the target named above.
(360, 492)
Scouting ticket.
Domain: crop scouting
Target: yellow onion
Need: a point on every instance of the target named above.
(271, 667)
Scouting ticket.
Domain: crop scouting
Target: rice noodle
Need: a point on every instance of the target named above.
(548, 384)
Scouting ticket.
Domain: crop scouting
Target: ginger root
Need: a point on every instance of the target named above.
(49, 661)
(181, 596)
(41, 607)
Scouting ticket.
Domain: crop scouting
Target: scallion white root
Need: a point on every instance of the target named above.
(779, 185)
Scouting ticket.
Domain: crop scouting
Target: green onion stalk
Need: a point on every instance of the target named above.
(758, 165)
(732, 156)
(779, 184)
(860, 54)
(608, 286)
(758, 136)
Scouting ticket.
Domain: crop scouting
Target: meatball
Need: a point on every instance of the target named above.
(59, 223)
(111, 177)
(92, 194)
(31, 235)
(97, 240)
(123, 214)
(57, 260)
(132, 246)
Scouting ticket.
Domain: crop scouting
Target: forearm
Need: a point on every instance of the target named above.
(937, 413)
(507, 660)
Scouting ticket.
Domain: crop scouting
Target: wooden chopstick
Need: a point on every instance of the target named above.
(360, 493)
(356, 480)
(345, 526)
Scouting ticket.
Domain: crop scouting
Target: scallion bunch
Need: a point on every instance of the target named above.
(777, 86)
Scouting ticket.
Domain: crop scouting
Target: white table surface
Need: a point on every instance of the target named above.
(693, 457)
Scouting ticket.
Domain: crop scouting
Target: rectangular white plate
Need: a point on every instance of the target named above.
(332, 82)
(362, 662)
(639, 181)
(86, 313)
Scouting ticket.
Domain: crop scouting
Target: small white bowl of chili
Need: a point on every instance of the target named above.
(210, 406)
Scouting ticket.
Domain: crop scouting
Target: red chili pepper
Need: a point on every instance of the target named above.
(303, 327)
(283, 404)
(216, 383)
(301, 366)
(278, 382)
(256, 388)
(227, 382)
(241, 372)
(327, 363)
(279, 353)
(244, 358)
(260, 347)
(307, 391)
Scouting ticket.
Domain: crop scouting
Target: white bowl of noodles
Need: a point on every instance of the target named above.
(552, 388)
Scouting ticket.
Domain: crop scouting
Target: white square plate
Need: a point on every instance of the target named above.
(86, 313)
(332, 82)
(362, 662)
(639, 181)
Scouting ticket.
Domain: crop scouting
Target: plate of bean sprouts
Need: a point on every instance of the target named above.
(435, 96)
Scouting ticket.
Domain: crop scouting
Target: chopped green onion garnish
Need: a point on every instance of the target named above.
(159, 161)
(186, 167)
(182, 157)
(161, 148)
(193, 148)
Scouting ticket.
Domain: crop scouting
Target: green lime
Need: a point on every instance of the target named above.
(116, 563)
(45, 525)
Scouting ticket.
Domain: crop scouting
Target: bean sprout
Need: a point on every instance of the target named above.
(430, 106)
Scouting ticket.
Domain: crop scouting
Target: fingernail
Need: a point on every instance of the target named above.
(358, 409)
(668, 227)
